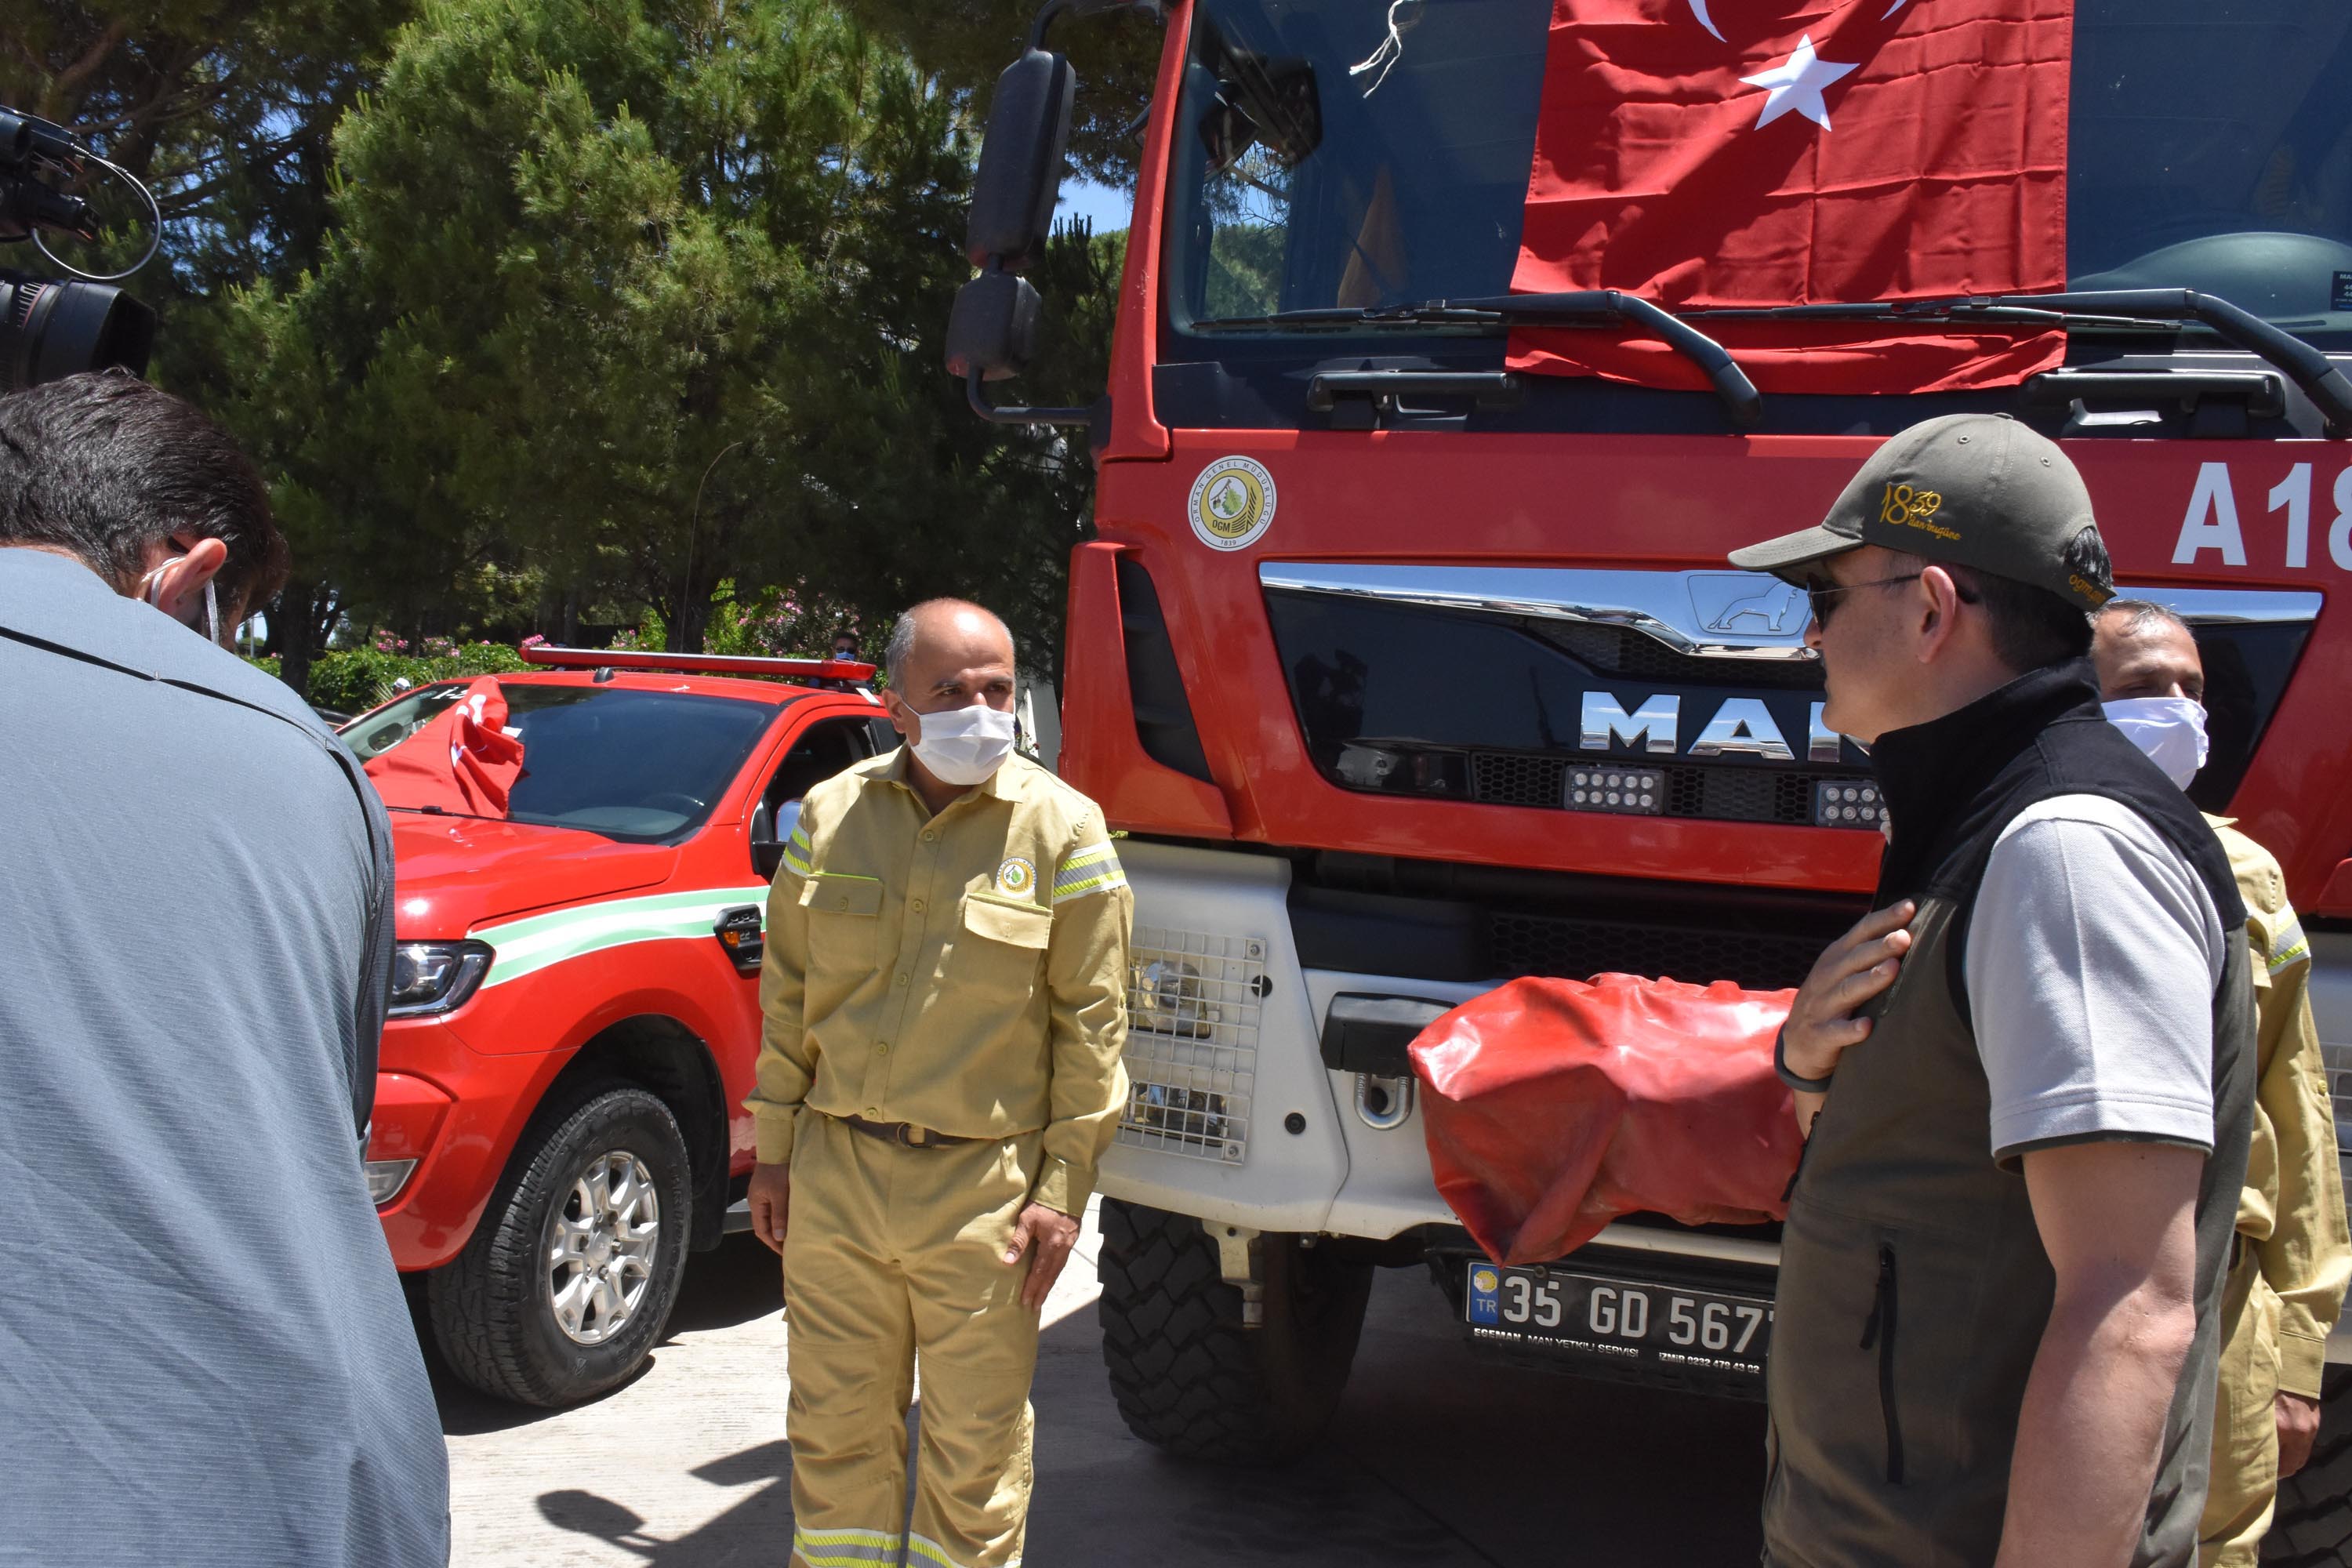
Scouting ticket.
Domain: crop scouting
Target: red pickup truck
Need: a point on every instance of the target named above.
(558, 1114)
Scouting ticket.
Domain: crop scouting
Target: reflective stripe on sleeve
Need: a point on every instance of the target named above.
(2290, 946)
(796, 853)
(1092, 869)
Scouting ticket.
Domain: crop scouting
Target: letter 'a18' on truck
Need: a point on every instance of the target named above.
(1458, 340)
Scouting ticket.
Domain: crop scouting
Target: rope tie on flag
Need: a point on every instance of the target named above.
(1403, 16)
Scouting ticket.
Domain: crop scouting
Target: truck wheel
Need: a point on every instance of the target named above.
(2313, 1527)
(1189, 1378)
(572, 1270)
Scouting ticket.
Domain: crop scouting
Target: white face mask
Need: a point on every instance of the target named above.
(2169, 730)
(964, 746)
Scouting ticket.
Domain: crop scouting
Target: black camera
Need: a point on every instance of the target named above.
(52, 327)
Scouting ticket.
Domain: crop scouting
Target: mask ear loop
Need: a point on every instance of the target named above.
(212, 612)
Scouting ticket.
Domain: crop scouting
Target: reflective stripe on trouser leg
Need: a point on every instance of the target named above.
(977, 1348)
(849, 1352)
(2243, 1487)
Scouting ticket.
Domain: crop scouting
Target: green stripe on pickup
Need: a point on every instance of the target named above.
(526, 946)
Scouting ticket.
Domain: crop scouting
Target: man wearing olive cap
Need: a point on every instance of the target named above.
(2026, 1080)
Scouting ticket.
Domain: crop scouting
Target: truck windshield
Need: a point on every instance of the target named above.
(626, 763)
(1325, 161)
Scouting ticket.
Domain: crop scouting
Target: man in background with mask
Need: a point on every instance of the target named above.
(945, 994)
(207, 1357)
(2286, 1279)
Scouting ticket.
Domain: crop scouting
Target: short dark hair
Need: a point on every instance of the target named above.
(103, 465)
(2144, 614)
(2032, 626)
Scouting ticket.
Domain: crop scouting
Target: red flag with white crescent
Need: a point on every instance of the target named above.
(462, 762)
(1755, 153)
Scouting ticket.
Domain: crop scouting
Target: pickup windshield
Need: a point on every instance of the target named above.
(1323, 162)
(626, 763)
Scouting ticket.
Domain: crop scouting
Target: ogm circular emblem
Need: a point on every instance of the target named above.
(1233, 503)
(1016, 877)
(1485, 1280)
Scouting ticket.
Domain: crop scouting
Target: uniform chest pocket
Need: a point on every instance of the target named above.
(1003, 953)
(843, 913)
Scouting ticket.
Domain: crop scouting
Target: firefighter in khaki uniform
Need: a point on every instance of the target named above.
(2286, 1281)
(945, 994)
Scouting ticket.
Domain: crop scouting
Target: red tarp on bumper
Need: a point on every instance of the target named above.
(1554, 1106)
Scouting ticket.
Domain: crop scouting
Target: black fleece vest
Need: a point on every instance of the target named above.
(1913, 1287)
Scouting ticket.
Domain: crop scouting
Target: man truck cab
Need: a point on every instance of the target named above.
(1405, 652)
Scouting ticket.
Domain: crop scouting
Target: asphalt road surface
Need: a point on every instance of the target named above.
(1439, 1458)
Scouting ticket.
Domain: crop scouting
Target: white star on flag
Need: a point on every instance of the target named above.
(1796, 84)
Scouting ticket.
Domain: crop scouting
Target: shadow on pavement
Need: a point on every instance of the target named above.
(757, 1530)
(1438, 1459)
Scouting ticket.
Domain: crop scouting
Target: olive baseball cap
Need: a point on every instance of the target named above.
(1976, 489)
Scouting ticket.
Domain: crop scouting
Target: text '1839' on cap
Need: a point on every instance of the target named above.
(1981, 490)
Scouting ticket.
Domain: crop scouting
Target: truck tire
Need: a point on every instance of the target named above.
(1189, 1378)
(2313, 1526)
(570, 1274)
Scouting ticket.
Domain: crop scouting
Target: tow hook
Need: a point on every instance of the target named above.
(1382, 1103)
(1237, 1261)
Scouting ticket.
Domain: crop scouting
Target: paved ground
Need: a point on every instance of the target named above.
(1438, 1459)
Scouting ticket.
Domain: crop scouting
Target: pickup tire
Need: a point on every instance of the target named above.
(1188, 1376)
(495, 1307)
(2313, 1526)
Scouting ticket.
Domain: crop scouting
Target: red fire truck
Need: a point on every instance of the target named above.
(1410, 664)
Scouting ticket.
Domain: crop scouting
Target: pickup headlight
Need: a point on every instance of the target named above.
(435, 976)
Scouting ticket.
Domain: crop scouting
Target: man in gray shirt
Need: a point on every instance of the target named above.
(204, 1357)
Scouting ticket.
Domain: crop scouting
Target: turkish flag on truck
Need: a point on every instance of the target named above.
(1757, 153)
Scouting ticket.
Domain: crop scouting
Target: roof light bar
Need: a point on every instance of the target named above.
(696, 663)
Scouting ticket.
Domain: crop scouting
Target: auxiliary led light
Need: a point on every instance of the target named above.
(1639, 791)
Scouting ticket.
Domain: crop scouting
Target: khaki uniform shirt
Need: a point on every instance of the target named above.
(964, 973)
(2292, 1209)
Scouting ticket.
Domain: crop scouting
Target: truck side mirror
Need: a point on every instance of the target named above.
(1019, 175)
(993, 328)
(993, 332)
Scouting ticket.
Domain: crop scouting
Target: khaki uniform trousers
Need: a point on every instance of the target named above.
(2244, 1485)
(895, 1257)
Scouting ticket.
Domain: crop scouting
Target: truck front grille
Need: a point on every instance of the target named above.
(1721, 793)
(1576, 949)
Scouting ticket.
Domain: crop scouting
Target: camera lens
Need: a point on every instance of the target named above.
(50, 329)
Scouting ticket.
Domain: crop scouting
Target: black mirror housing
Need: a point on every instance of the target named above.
(993, 328)
(1020, 175)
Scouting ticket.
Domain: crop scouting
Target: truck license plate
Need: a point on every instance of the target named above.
(1585, 1314)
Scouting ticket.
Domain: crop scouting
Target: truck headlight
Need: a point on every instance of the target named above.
(435, 976)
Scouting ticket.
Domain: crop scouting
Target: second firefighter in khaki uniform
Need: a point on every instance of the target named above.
(2287, 1277)
(945, 989)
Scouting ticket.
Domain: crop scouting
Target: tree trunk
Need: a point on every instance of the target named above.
(300, 621)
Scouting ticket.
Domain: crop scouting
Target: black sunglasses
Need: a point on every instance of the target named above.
(1825, 595)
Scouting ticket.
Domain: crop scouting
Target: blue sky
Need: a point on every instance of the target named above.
(1107, 207)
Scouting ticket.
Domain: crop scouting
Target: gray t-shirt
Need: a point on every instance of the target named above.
(205, 1354)
(2093, 955)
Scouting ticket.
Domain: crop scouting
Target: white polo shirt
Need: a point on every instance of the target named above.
(2093, 956)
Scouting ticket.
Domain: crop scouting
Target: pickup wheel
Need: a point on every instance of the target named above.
(1189, 1378)
(571, 1275)
(2313, 1526)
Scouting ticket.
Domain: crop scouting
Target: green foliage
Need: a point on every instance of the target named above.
(967, 43)
(531, 306)
(353, 679)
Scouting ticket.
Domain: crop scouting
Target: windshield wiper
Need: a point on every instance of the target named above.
(2307, 367)
(1582, 307)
